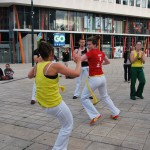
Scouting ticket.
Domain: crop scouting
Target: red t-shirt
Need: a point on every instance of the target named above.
(95, 60)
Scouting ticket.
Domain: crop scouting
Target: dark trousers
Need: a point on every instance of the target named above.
(137, 73)
(127, 71)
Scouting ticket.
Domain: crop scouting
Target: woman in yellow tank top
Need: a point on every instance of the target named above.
(137, 58)
(47, 90)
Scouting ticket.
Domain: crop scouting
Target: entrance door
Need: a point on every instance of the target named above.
(4, 55)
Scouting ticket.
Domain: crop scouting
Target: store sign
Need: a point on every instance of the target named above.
(59, 39)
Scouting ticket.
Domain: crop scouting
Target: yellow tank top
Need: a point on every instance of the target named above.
(47, 90)
(137, 63)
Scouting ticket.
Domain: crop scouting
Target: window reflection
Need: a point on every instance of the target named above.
(61, 22)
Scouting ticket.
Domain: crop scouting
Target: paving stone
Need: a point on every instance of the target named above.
(36, 146)
(20, 132)
(27, 127)
(133, 145)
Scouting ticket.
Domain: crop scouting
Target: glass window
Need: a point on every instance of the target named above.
(36, 17)
(20, 11)
(143, 3)
(52, 19)
(98, 23)
(82, 21)
(107, 24)
(118, 1)
(91, 23)
(72, 21)
(131, 2)
(148, 4)
(138, 26)
(118, 25)
(61, 20)
(125, 2)
(137, 3)
(4, 18)
(43, 19)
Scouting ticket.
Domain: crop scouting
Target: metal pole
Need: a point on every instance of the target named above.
(32, 31)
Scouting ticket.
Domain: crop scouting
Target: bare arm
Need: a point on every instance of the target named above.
(32, 73)
(106, 61)
(60, 68)
(132, 59)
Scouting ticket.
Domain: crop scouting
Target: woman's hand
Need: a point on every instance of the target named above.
(77, 56)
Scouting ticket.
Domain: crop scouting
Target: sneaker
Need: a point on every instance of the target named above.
(141, 97)
(74, 97)
(129, 81)
(95, 119)
(32, 102)
(114, 117)
(133, 98)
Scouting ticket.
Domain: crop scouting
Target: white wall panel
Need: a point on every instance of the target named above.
(85, 5)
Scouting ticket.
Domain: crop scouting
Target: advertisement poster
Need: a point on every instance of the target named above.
(118, 53)
(59, 39)
(97, 22)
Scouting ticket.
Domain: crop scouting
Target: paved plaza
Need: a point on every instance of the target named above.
(27, 127)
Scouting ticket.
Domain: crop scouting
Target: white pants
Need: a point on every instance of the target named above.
(100, 84)
(34, 91)
(63, 113)
(84, 73)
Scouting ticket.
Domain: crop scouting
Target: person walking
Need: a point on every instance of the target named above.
(47, 90)
(84, 71)
(127, 65)
(96, 80)
(137, 58)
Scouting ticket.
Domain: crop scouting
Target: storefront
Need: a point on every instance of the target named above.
(117, 32)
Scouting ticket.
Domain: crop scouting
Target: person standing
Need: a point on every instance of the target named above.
(127, 65)
(96, 80)
(47, 90)
(65, 55)
(84, 71)
(137, 58)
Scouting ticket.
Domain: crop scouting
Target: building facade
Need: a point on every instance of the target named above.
(120, 23)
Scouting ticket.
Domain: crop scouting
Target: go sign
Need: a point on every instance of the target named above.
(59, 39)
